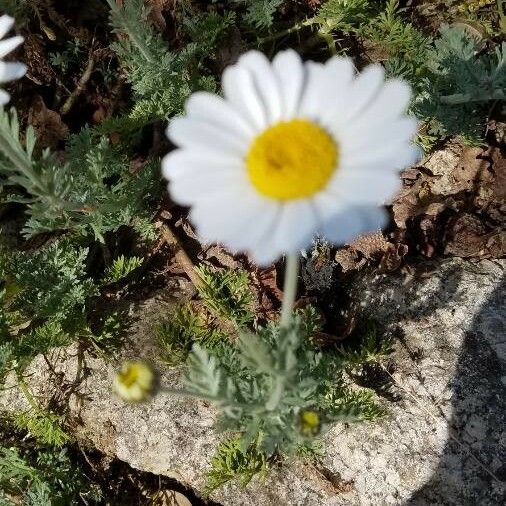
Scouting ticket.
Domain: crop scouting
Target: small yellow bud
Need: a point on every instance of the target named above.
(134, 382)
(309, 423)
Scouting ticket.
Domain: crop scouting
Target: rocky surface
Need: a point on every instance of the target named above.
(443, 443)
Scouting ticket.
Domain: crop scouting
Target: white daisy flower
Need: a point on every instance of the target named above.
(9, 71)
(292, 150)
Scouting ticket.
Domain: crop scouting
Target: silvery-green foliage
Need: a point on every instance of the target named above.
(161, 79)
(52, 281)
(396, 37)
(264, 383)
(260, 13)
(461, 84)
(182, 329)
(44, 426)
(233, 462)
(94, 192)
(104, 192)
(43, 179)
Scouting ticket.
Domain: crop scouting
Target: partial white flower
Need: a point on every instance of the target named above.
(292, 150)
(9, 71)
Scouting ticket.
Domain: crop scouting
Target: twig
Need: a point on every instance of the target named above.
(180, 254)
(81, 84)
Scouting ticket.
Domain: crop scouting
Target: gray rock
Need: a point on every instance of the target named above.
(443, 442)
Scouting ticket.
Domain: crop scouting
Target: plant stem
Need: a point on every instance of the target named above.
(289, 288)
(295, 28)
(276, 393)
(464, 98)
(27, 392)
(502, 16)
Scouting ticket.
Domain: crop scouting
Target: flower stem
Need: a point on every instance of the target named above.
(294, 28)
(289, 288)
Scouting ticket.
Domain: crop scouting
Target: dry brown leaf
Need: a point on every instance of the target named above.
(265, 287)
(48, 125)
(457, 207)
(329, 482)
(468, 237)
(370, 249)
(157, 8)
(349, 260)
(217, 255)
(39, 69)
(371, 246)
(392, 258)
(187, 228)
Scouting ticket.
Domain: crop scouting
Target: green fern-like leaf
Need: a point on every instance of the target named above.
(345, 15)
(369, 346)
(260, 13)
(227, 294)
(44, 426)
(232, 462)
(53, 281)
(120, 268)
(181, 330)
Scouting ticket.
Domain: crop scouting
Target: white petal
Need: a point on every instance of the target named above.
(392, 101)
(353, 221)
(236, 220)
(341, 71)
(4, 97)
(265, 81)
(188, 132)
(327, 205)
(181, 162)
(365, 186)
(212, 109)
(335, 83)
(11, 70)
(6, 23)
(240, 90)
(391, 156)
(204, 187)
(257, 226)
(294, 230)
(296, 226)
(360, 94)
(310, 103)
(290, 73)
(370, 135)
(8, 45)
(265, 252)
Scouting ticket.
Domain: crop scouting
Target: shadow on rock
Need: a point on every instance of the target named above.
(472, 470)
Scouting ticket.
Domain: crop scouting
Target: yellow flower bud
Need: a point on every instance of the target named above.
(309, 423)
(134, 382)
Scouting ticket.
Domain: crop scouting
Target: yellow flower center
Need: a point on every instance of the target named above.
(292, 160)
